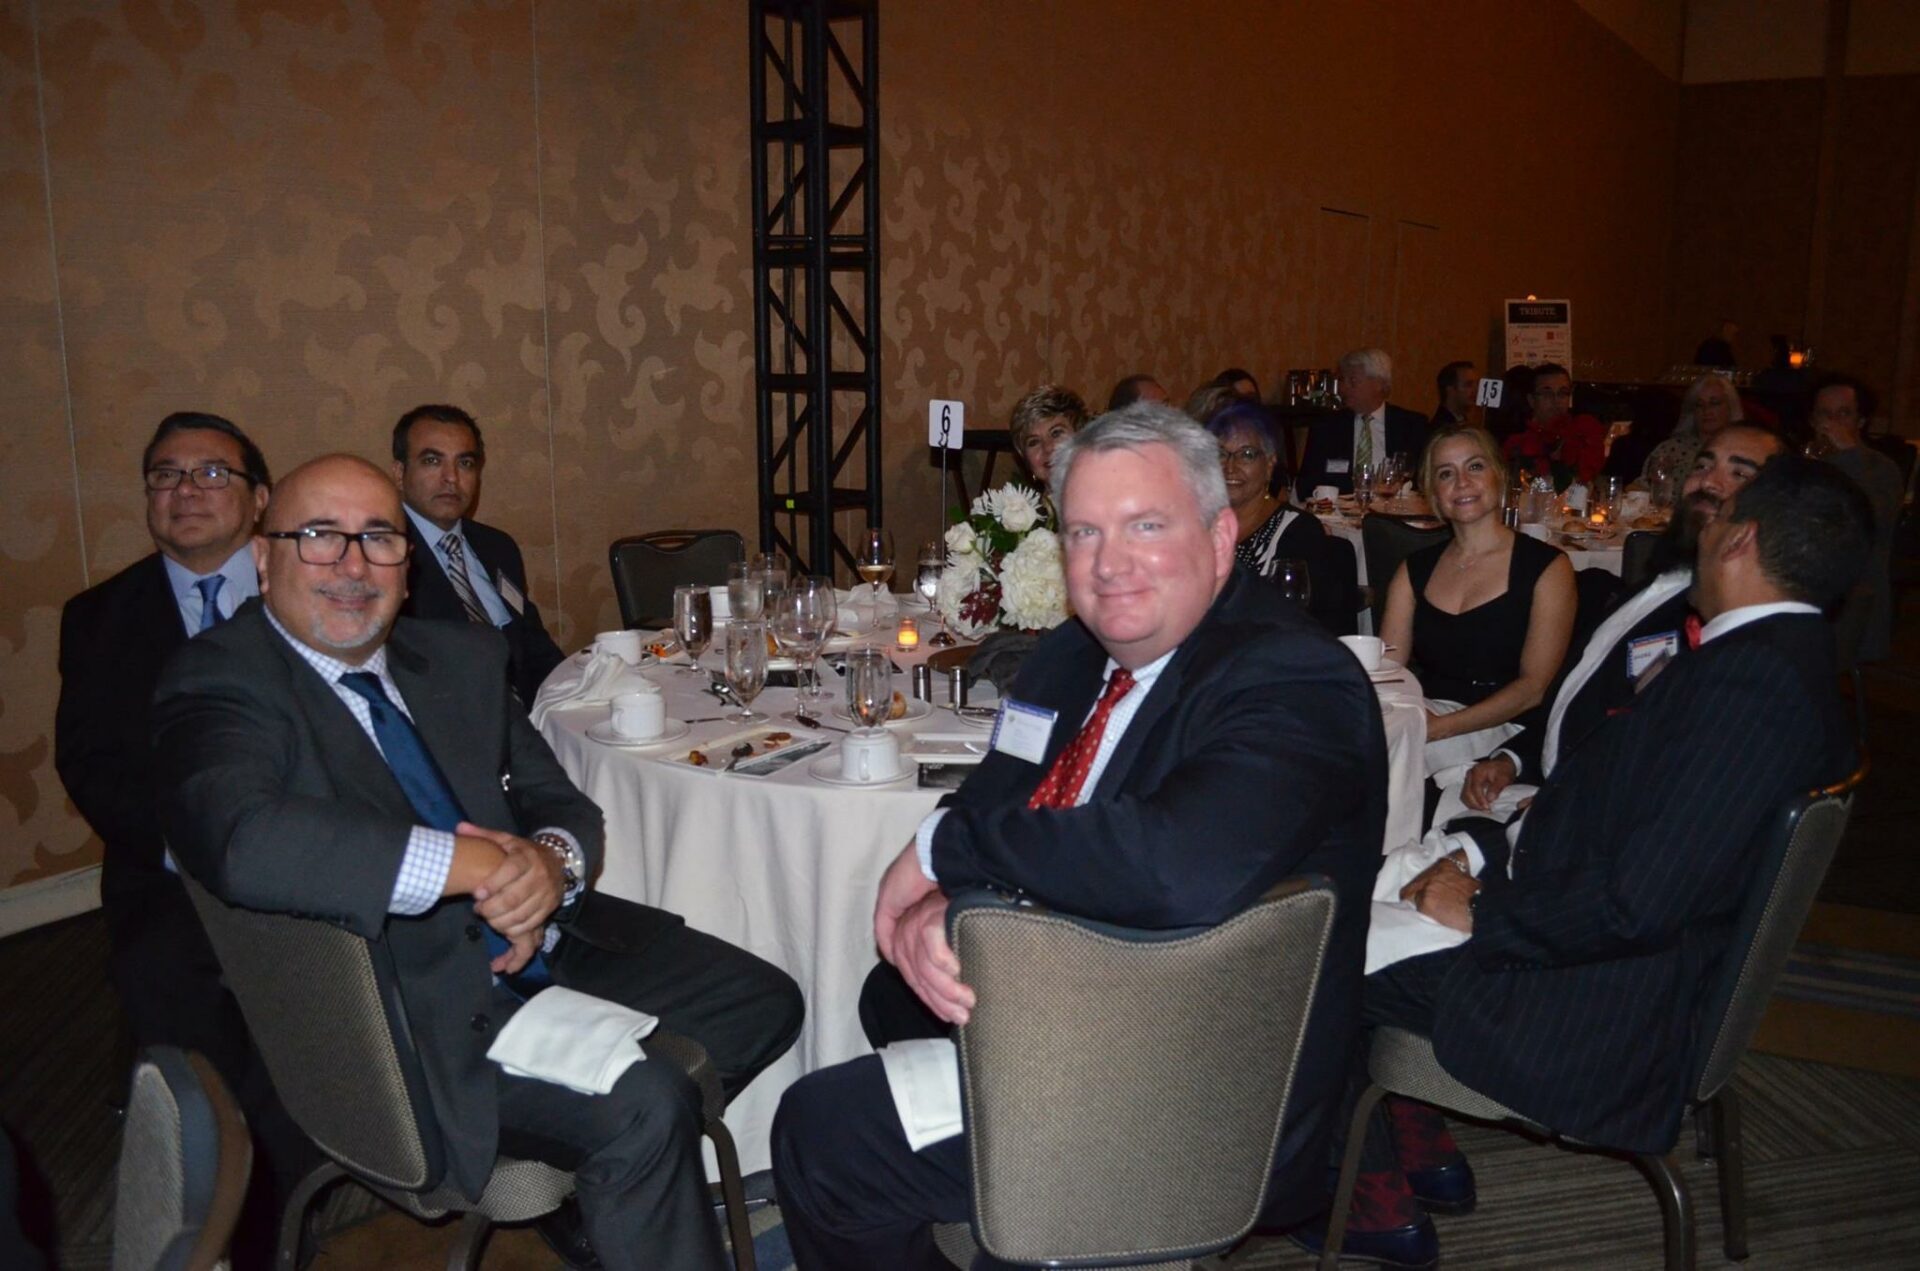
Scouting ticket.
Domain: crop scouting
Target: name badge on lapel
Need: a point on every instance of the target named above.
(510, 593)
(1647, 650)
(1022, 730)
(1338, 467)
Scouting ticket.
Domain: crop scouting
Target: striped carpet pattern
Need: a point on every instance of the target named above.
(1854, 979)
(1833, 1153)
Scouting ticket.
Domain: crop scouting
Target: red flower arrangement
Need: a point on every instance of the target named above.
(1564, 450)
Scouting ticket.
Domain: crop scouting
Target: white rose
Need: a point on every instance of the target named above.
(1033, 584)
(961, 541)
(1019, 508)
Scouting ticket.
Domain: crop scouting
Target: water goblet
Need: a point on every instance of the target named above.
(869, 688)
(926, 581)
(746, 591)
(803, 619)
(747, 666)
(1295, 584)
(693, 622)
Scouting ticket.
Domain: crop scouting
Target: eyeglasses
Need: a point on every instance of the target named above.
(1557, 394)
(329, 547)
(1244, 455)
(207, 476)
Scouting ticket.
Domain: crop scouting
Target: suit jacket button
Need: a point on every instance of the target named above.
(473, 931)
(480, 1023)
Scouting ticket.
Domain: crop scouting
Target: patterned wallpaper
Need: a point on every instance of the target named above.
(311, 214)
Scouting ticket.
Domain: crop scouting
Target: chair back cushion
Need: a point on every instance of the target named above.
(647, 568)
(325, 1011)
(1124, 1090)
(1387, 541)
(1636, 558)
(184, 1163)
(1800, 845)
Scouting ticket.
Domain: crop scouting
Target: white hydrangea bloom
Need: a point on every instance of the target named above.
(958, 579)
(1034, 583)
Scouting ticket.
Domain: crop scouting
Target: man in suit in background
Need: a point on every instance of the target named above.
(1650, 625)
(319, 757)
(1459, 383)
(462, 569)
(1368, 431)
(1590, 946)
(1208, 740)
(205, 485)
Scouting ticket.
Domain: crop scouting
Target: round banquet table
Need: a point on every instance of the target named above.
(786, 866)
(1590, 553)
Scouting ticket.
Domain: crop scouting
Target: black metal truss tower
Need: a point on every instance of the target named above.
(816, 271)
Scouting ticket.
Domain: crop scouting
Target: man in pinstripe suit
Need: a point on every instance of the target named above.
(1573, 1001)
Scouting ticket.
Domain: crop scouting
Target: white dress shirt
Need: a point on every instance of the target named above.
(1123, 712)
(483, 589)
(1734, 619)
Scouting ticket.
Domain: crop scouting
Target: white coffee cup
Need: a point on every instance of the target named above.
(722, 607)
(1325, 493)
(1368, 649)
(628, 646)
(868, 757)
(640, 715)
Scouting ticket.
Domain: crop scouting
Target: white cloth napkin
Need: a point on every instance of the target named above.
(572, 1039)
(603, 676)
(923, 1076)
(1466, 747)
(1397, 930)
(1452, 782)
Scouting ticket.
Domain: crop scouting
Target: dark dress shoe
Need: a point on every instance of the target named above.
(1415, 1247)
(1445, 1189)
(565, 1232)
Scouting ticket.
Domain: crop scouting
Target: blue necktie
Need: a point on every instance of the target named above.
(432, 798)
(209, 588)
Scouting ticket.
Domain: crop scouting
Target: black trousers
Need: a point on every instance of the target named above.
(635, 1151)
(1398, 996)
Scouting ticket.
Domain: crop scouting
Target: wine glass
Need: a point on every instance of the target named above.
(869, 688)
(926, 581)
(1291, 576)
(747, 666)
(772, 568)
(803, 619)
(693, 622)
(1364, 477)
(873, 557)
(746, 591)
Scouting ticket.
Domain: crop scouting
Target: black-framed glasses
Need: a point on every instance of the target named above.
(205, 476)
(329, 547)
(1247, 455)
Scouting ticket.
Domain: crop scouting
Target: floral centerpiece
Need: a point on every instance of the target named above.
(1003, 566)
(1566, 450)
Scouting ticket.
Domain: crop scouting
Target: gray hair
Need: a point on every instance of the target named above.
(1149, 424)
(1690, 404)
(1372, 363)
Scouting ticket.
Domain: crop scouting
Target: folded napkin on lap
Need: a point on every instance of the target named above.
(1466, 747)
(923, 1076)
(572, 1039)
(600, 679)
(1452, 782)
(1397, 930)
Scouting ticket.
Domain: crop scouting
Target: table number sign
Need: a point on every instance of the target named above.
(946, 422)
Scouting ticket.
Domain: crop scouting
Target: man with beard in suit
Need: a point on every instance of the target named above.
(1206, 741)
(319, 755)
(460, 569)
(1589, 943)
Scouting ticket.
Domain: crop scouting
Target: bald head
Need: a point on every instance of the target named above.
(325, 521)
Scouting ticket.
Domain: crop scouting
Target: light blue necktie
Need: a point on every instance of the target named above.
(209, 588)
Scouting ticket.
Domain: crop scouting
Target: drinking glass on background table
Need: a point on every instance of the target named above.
(926, 581)
(869, 688)
(1365, 475)
(747, 666)
(803, 619)
(873, 557)
(772, 568)
(1291, 577)
(746, 591)
(693, 622)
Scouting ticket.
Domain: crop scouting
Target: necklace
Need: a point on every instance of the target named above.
(1466, 562)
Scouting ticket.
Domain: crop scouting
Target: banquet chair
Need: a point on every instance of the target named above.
(1123, 1090)
(1386, 541)
(1797, 845)
(1636, 559)
(185, 1158)
(324, 1007)
(647, 567)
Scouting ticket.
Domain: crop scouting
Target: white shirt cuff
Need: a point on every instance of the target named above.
(1476, 859)
(423, 871)
(1519, 769)
(923, 842)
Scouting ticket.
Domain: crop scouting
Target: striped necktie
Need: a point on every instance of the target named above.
(454, 549)
(1060, 788)
(1363, 443)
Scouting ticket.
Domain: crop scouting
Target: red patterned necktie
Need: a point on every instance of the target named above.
(1060, 788)
(1692, 628)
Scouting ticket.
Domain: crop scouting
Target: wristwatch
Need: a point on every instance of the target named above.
(573, 864)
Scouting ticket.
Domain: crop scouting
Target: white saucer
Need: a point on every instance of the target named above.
(826, 769)
(603, 733)
(1389, 669)
(916, 709)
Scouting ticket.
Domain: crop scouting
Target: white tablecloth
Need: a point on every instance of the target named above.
(1595, 554)
(787, 867)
